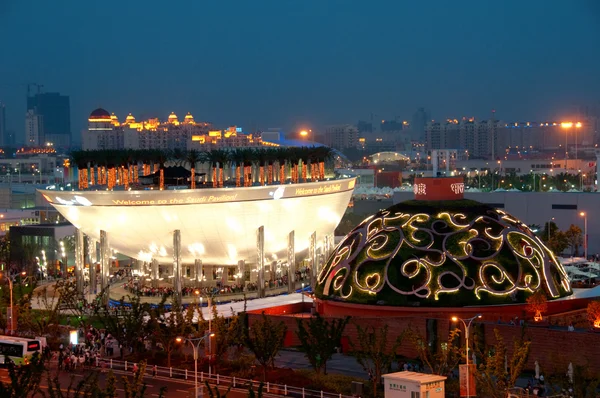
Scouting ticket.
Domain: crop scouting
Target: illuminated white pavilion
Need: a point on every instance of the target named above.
(226, 235)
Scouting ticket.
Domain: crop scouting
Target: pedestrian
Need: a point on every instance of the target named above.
(154, 371)
(135, 368)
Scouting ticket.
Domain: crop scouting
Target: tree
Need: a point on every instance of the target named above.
(214, 392)
(137, 387)
(88, 386)
(225, 332)
(259, 392)
(593, 313)
(558, 242)
(497, 373)
(24, 380)
(374, 352)
(167, 329)
(537, 304)
(575, 238)
(440, 358)
(51, 301)
(130, 327)
(265, 339)
(319, 339)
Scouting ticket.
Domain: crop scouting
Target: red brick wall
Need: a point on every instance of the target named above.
(553, 349)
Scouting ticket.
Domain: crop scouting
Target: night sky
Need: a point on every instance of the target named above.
(286, 63)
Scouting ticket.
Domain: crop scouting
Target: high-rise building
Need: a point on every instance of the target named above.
(341, 137)
(419, 122)
(55, 111)
(34, 129)
(106, 132)
(3, 132)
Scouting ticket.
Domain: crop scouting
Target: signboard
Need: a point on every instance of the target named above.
(195, 196)
(439, 188)
(73, 337)
(467, 380)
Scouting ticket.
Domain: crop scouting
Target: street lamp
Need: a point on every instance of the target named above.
(585, 238)
(567, 126)
(306, 133)
(467, 323)
(195, 346)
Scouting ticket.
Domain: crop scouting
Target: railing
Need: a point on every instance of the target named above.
(221, 380)
(518, 392)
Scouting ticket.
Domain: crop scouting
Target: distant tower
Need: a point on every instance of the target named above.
(419, 122)
(3, 132)
(55, 111)
(34, 129)
(493, 133)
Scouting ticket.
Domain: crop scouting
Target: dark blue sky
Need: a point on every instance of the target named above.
(283, 63)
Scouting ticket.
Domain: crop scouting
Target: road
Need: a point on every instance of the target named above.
(174, 388)
(339, 363)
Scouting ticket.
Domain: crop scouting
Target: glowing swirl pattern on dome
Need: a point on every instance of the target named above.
(441, 254)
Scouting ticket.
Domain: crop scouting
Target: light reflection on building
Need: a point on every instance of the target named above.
(106, 132)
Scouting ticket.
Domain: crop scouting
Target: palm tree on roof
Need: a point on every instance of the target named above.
(223, 156)
(260, 155)
(271, 159)
(161, 157)
(323, 154)
(282, 155)
(92, 160)
(294, 155)
(248, 159)
(237, 157)
(304, 154)
(193, 157)
(178, 156)
(80, 159)
(111, 162)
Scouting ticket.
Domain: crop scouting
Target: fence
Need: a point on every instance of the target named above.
(221, 380)
(518, 392)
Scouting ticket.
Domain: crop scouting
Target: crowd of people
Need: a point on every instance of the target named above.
(77, 356)
(134, 286)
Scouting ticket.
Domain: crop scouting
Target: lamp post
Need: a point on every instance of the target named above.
(567, 126)
(306, 133)
(195, 346)
(584, 215)
(467, 323)
(577, 127)
(12, 315)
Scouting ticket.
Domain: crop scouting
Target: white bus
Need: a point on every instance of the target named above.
(17, 350)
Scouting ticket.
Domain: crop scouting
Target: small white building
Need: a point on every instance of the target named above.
(414, 385)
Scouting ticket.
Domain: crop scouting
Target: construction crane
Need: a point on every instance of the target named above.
(39, 88)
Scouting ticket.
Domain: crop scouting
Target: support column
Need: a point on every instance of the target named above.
(104, 267)
(91, 260)
(154, 274)
(239, 275)
(177, 267)
(139, 268)
(312, 253)
(291, 258)
(260, 260)
(79, 261)
(198, 272)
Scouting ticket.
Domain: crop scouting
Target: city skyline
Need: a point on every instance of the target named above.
(286, 64)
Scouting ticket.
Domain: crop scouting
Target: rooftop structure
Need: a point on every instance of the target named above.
(105, 131)
(440, 250)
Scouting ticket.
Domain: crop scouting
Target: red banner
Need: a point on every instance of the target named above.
(439, 188)
(467, 380)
